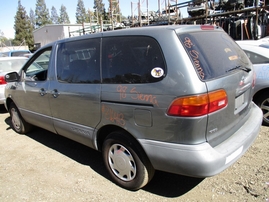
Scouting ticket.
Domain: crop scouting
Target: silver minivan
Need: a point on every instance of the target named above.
(170, 98)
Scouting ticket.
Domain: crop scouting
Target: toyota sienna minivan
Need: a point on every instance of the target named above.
(171, 98)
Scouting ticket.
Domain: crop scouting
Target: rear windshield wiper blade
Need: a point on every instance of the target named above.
(246, 69)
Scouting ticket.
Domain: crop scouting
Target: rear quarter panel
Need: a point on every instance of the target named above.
(131, 102)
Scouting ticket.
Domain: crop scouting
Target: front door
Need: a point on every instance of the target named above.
(31, 92)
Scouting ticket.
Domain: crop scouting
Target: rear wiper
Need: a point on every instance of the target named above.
(246, 69)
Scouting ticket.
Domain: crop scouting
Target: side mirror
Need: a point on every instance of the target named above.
(12, 77)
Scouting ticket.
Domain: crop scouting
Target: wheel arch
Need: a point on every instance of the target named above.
(258, 94)
(103, 133)
(8, 102)
(106, 130)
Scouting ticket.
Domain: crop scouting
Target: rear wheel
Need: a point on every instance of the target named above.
(126, 162)
(263, 102)
(18, 123)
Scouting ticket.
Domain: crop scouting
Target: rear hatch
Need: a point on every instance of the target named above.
(224, 67)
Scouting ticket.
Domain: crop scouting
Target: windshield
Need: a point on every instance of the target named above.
(213, 53)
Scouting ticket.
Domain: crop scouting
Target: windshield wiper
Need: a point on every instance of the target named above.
(246, 69)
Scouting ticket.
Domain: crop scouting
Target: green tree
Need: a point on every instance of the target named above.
(92, 17)
(30, 35)
(64, 18)
(99, 9)
(54, 15)
(32, 17)
(42, 14)
(1, 34)
(2, 38)
(4, 41)
(81, 16)
(106, 15)
(23, 28)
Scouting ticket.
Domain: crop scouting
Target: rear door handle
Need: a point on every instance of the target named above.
(55, 93)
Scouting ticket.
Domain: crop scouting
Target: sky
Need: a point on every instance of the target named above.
(9, 8)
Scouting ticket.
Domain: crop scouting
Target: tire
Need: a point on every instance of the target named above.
(263, 102)
(17, 122)
(125, 161)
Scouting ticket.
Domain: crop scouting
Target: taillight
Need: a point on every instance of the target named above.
(2, 80)
(198, 105)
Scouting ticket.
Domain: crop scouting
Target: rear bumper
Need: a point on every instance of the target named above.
(202, 160)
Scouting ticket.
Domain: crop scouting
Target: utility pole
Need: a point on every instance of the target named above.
(148, 12)
(139, 13)
(132, 13)
(159, 5)
(177, 12)
(168, 7)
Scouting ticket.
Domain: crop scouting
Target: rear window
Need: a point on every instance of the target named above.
(213, 54)
(18, 53)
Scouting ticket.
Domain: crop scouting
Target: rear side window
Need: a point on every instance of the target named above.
(132, 60)
(213, 54)
(79, 61)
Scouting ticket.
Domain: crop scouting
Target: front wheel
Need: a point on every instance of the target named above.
(18, 123)
(263, 102)
(126, 162)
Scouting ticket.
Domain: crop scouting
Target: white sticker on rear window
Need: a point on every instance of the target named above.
(157, 72)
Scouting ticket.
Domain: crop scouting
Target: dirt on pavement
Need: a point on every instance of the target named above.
(42, 166)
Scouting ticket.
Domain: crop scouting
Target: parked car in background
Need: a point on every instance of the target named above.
(198, 8)
(151, 98)
(259, 56)
(263, 42)
(8, 64)
(27, 55)
(15, 53)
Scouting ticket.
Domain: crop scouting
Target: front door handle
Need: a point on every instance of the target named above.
(42, 92)
(55, 93)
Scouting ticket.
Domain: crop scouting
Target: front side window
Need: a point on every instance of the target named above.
(132, 60)
(78, 61)
(37, 69)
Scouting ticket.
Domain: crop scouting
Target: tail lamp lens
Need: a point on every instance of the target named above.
(2, 80)
(198, 105)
